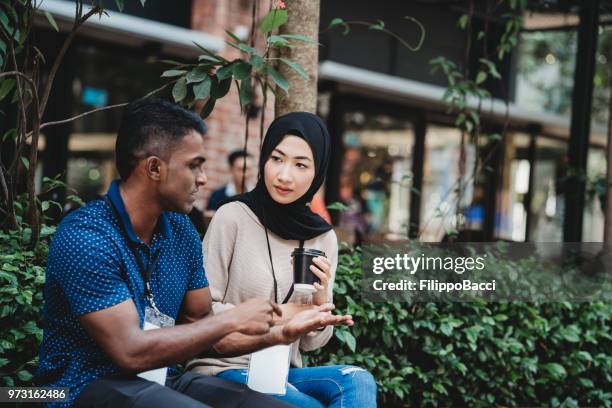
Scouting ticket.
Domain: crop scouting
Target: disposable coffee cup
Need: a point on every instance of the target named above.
(302, 275)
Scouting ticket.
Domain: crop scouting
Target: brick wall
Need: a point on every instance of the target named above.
(227, 123)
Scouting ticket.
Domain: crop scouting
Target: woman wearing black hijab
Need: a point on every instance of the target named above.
(247, 254)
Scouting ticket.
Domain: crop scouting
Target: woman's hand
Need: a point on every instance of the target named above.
(309, 320)
(322, 270)
(289, 310)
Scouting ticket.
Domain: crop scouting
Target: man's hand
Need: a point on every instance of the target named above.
(290, 310)
(309, 320)
(255, 316)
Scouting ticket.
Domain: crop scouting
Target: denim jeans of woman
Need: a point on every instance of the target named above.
(338, 386)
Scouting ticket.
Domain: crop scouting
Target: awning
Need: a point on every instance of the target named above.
(406, 91)
(132, 31)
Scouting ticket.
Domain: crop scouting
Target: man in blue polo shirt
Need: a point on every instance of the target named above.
(132, 261)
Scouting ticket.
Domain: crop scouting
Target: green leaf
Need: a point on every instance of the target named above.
(556, 370)
(209, 52)
(258, 62)
(278, 79)
(380, 25)
(241, 70)
(339, 22)
(44, 206)
(446, 328)
(278, 41)
(6, 87)
(221, 88)
(51, 21)
(495, 137)
(24, 375)
(10, 134)
(296, 67)
(142, 2)
(225, 71)
(208, 108)
(440, 388)
(202, 89)
(463, 20)
(25, 162)
(245, 92)
(337, 206)
(197, 74)
(248, 49)
(274, 19)
(584, 356)
(209, 58)
(299, 37)
(179, 91)
(481, 77)
(570, 333)
(233, 36)
(120, 4)
(351, 342)
(173, 73)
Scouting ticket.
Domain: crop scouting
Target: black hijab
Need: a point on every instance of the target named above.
(294, 220)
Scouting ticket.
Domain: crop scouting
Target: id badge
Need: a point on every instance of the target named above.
(154, 319)
(269, 370)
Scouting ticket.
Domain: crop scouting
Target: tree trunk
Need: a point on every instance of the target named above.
(608, 214)
(304, 20)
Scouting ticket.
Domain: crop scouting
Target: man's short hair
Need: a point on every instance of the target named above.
(152, 126)
(236, 154)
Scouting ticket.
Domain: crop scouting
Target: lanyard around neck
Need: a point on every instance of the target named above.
(145, 273)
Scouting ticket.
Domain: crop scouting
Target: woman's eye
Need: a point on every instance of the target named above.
(302, 166)
(275, 158)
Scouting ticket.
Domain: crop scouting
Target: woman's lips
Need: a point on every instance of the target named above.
(282, 191)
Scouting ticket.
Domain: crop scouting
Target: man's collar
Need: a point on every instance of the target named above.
(163, 226)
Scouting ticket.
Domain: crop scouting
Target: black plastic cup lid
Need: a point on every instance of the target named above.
(307, 251)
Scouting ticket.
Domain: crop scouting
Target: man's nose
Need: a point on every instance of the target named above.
(201, 179)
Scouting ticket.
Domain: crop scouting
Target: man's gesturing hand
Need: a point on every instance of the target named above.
(253, 316)
(312, 319)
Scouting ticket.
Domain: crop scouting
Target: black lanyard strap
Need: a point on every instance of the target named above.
(145, 273)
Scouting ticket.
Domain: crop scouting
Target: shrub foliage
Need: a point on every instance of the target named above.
(473, 354)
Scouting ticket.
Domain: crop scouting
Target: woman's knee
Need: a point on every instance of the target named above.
(359, 378)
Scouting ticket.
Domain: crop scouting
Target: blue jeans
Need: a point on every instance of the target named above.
(339, 386)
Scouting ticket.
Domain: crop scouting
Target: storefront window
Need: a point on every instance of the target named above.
(440, 181)
(593, 218)
(375, 181)
(512, 212)
(548, 202)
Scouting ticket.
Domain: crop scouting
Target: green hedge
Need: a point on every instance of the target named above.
(443, 354)
(21, 301)
(473, 354)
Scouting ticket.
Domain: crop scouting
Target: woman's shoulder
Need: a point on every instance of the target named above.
(328, 239)
(235, 212)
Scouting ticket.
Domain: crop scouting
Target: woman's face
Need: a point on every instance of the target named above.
(289, 171)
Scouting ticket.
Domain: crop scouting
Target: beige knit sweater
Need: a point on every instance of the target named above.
(235, 250)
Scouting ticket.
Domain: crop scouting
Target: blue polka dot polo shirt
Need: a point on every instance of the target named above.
(91, 267)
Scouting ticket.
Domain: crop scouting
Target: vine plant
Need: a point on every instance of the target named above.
(465, 87)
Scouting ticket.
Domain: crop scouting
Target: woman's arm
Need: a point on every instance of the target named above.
(218, 249)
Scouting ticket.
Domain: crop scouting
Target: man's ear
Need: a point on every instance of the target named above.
(153, 167)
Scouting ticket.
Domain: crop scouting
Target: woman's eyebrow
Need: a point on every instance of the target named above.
(296, 157)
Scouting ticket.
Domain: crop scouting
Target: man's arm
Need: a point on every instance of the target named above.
(117, 330)
(298, 319)
(236, 344)
(197, 304)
